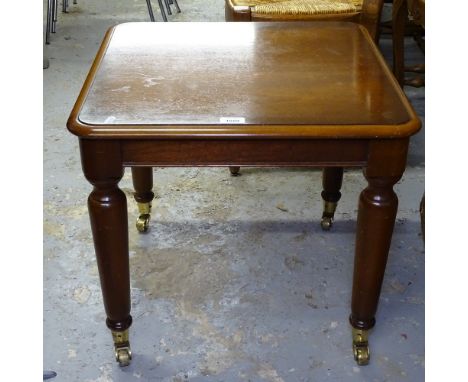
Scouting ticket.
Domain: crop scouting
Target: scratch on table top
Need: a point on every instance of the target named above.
(124, 89)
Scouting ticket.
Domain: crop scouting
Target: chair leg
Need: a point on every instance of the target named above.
(54, 15)
(418, 68)
(169, 12)
(233, 13)
(64, 6)
(50, 6)
(399, 15)
(416, 81)
(176, 5)
(332, 179)
(150, 10)
(161, 8)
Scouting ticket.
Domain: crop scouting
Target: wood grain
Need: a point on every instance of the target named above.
(291, 79)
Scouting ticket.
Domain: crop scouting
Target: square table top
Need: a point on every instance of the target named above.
(285, 79)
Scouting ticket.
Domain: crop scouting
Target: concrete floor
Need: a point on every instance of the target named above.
(235, 281)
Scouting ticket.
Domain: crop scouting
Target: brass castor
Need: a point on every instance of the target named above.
(234, 171)
(142, 223)
(123, 354)
(328, 214)
(326, 223)
(361, 346)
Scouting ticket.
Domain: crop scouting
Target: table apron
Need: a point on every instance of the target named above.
(245, 152)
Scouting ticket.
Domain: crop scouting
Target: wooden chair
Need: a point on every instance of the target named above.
(365, 12)
(402, 9)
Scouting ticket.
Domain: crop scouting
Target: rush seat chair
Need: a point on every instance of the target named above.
(365, 12)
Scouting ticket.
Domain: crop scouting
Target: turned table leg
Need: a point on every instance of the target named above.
(107, 206)
(143, 184)
(376, 218)
(332, 180)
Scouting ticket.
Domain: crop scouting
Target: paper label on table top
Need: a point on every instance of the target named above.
(232, 120)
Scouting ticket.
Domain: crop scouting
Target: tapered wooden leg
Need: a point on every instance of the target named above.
(376, 218)
(143, 185)
(234, 170)
(332, 179)
(107, 206)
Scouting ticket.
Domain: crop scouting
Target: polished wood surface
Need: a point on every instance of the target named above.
(306, 64)
(284, 79)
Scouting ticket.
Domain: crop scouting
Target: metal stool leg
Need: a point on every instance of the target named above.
(50, 7)
(75, 2)
(54, 15)
(168, 7)
(150, 10)
(176, 5)
(64, 6)
(161, 7)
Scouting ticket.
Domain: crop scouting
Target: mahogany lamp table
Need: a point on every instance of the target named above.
(313, 94)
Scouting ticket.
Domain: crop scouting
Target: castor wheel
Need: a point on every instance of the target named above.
(142, 223)
(123, 354)
(361, 346)
(361, 354)
(234, 171)
(326, 223)
(329, 209)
